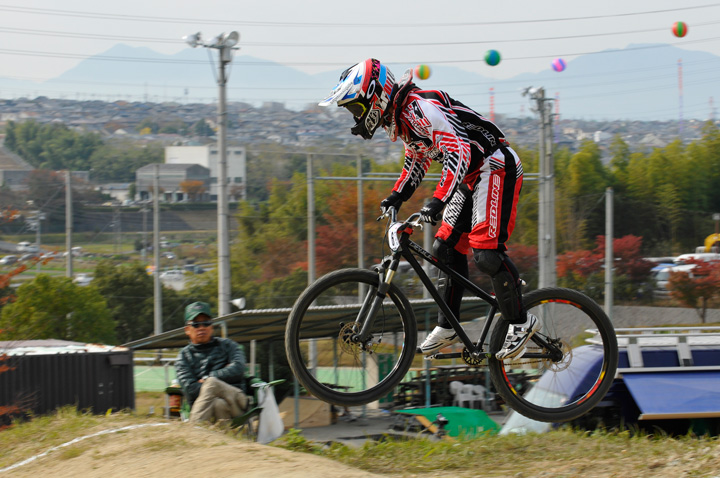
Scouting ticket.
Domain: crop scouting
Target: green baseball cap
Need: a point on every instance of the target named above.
(195, 309)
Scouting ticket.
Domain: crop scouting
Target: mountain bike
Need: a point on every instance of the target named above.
(351, 337)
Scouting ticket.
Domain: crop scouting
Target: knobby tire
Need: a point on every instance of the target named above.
(558, 390)
(322, 320)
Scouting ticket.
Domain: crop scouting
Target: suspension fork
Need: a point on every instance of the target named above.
(373, 301)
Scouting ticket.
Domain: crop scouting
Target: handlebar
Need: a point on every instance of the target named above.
(413, 220)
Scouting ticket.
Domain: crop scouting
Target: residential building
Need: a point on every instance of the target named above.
(207, 156)
(171, 179)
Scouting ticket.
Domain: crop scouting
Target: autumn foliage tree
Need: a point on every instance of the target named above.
(194, 189)
(583, 269)
(7, 411)
(698, 288)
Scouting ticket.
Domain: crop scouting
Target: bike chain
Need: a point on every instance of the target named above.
(476, 362)
(547, 364)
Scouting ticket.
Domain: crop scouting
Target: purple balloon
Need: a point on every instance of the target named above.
(558, 64)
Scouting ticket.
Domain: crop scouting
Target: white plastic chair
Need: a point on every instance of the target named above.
(466, 395)
(481, 397)
(455, 387)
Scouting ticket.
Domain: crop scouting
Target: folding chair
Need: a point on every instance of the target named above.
(251, 418)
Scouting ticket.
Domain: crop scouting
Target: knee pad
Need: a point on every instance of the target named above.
(488, 261)
(506, 283)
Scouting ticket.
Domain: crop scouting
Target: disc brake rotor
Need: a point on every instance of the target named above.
(345, 340)
(560, 365)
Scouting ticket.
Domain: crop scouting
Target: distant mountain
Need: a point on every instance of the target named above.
(639, 82)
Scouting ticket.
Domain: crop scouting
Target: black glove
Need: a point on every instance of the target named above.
(432, 211)
(393, 200)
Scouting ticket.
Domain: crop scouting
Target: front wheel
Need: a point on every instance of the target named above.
(320, 345)
(569, 364)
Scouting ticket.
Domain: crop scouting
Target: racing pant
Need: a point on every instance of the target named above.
(481, 217)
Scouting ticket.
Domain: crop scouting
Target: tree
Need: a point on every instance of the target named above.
(147, 126)
(697, 288)
(51, 146)
(194, 189)
(580, 182)
(202, 128)
(128, 292)
(118, 160)
(55, 308)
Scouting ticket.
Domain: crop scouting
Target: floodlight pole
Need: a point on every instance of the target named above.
(225, 44)
(222, 207)
(547, 276)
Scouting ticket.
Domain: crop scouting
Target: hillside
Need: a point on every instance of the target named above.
(639, 82)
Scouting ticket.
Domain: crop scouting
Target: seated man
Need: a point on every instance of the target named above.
(210, 370)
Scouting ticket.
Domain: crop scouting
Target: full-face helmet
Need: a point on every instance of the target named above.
(365, 89)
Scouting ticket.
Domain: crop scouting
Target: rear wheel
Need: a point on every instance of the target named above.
(570, 363)
(320, 346)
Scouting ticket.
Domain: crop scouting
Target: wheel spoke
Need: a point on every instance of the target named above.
(323, 351)
(563, 373)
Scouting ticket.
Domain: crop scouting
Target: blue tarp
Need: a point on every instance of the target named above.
(665, 395)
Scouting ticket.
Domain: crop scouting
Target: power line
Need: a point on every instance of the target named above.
(325, 44)
(335, 63)
(165, 19)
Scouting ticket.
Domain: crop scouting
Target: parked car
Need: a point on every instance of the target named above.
(661, 276)
(76, 252)
(701, 256)
(83, 279)
(194, 268)
(173, 275)
(167, 255)
(7, 260)
(28, 256)
(26, 246)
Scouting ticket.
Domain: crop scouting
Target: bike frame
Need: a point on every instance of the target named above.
(408, 250)
(403, 247)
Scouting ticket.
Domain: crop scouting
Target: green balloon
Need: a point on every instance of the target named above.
(492, 57)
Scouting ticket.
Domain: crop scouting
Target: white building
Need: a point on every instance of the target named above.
(208, 157)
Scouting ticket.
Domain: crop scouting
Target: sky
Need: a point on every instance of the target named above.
(41, 39)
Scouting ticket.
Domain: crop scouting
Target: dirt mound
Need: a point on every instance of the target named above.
(173, 449)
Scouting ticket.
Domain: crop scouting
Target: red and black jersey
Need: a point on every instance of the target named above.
(434, 126)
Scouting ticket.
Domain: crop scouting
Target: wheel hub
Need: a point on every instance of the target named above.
(561, 363)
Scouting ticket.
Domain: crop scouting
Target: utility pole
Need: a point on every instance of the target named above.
(144, 212)
(37, 221)
(609, 253)
(360, 216)
(311, 218)
(68, 225)
(312, 345)
(546, 191)
(117, 229)
(225, 43)
(156, 251)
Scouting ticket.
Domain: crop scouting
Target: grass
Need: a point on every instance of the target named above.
(557, 453)
(560, 453)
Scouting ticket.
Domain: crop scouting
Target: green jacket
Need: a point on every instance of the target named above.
(221, 358)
